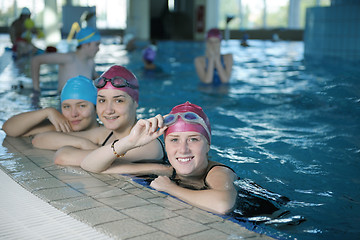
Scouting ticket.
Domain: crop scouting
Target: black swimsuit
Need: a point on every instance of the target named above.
(205, 186)
(252, 199)
(106, 139)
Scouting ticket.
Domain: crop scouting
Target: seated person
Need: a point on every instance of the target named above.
(117, 101)
(78, 100)
(214, 68)
(70, 64)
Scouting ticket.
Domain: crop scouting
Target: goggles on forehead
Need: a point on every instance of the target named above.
(190, 117)
(118, 82)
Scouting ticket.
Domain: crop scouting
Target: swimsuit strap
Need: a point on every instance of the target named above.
(163, 150)
(173, 175)
(206, 186)
(108, 137)
(215, 165)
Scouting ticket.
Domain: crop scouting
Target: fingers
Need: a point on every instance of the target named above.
(63, 127)
(157, 123)
(67, 127)
(161, 183)
(160, 120)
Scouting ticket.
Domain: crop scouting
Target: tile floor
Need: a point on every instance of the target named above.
(114, 205)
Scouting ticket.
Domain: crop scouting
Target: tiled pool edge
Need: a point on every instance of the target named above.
(112, 204)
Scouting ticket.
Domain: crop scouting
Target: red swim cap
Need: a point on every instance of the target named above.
(183, 126)
(120, 71)
(214, 32)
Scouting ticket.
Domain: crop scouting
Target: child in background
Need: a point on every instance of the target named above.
(70, 64)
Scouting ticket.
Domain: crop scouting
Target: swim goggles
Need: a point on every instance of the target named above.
(190, 117)
(118, 82)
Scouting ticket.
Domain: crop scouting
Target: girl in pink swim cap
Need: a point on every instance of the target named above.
(99, 148)
(191, 176)
(214, 68)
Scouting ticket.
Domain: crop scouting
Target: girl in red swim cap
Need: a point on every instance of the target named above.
(214, 68)
(191, 176)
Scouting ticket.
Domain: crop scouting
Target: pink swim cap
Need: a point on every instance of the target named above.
(120, 71)
(184, 126)
(214, 32)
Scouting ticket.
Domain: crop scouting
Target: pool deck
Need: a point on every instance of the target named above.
(112, 205)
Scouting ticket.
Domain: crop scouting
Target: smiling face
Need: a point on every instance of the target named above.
(187, 153)
(80, 113)
(116, 109)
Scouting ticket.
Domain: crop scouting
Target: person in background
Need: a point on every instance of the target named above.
(244, 40)
(117, 101)
(148, 56)
(129, 40)
(70, 64)
(214, 68)
(21, 33)
(78, 113)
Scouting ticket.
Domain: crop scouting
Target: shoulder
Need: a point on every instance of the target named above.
(53, 57)
(221, 169)
(101, 131)
(216, 170)
(96, 135)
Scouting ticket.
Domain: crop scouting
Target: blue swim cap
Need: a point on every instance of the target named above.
(149, 54)
(87, 35)
(79, 87)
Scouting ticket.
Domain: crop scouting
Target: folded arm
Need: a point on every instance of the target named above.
(205, 73)
(220, 198)
(54, 140)
(224, 71)
(33, 122)
(140, 144)
(47, 58)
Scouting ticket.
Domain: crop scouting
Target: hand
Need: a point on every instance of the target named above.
(162, 183)
(212, 52)
(60, 123)
(146, 130)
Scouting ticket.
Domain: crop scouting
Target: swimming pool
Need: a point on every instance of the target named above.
(290, 126)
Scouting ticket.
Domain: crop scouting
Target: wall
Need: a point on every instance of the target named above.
(333, 32)
(267, 34)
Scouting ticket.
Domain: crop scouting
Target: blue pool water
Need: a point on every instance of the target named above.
(290, 126)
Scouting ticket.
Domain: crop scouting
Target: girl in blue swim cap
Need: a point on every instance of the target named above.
(78, 99)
